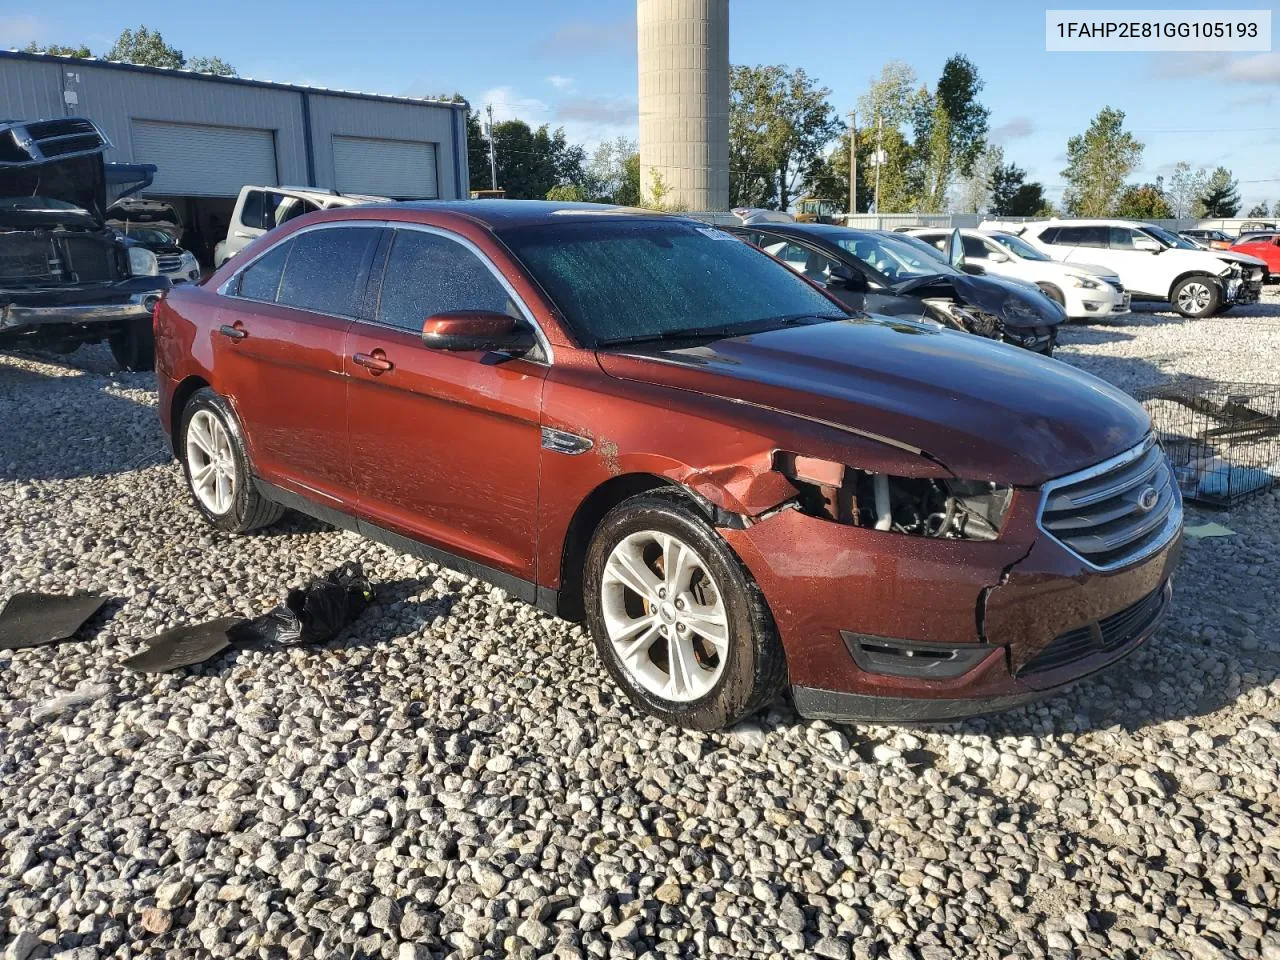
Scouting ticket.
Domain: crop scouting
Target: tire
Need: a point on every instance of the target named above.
(1053, 293)
(732, 669)
(1196, 297)
(235, 507)
(134, 347)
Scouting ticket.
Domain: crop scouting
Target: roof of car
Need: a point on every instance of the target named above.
(499, 214)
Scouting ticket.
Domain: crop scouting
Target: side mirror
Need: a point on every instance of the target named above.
(995, 256)
(844, 277)
(464, 330)
(1147, 244)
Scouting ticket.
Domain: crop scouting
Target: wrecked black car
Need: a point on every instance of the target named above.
(884, 273)
(66, 277)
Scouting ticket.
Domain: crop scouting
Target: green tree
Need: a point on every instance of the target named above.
(1221, 197)
(609, 174)
(214, 65)
(629, 190)
(1143, 201)
(1013, 196)
(146, 47)
(780, 122)
(1185, 189)
(1098, 163)
(975, 190)
(565, 193)
(957, 97)
(58, 50)
(1259, 210)
(530, 162)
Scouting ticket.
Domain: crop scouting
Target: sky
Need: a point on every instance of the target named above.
(573, 64)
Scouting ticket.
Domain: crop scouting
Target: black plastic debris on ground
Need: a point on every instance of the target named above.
(36, 619)
(184, 646)
(1222, 438)
(311, 614)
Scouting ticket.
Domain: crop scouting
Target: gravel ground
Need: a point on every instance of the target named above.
(456, 777)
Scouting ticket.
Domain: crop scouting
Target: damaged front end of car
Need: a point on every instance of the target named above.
(66, 277)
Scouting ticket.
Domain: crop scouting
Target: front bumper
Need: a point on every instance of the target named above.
(102, 304)
(1240, 291)
(1004, 605)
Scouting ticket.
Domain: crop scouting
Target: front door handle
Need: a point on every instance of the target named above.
(234, 331)
(376, 362)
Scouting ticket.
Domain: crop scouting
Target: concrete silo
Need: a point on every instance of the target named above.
(684, 101)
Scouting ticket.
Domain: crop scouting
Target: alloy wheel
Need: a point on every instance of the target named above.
(211, 462)
(1194, 297)
(665, 616)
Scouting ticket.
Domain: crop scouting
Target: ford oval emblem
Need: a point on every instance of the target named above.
(1148, 499)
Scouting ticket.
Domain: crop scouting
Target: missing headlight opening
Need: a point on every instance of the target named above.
(915, 506)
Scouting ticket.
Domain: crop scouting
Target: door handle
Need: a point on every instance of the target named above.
(376, 362)
(242, 235)
(235, 332)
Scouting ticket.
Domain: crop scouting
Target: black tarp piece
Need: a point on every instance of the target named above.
(36, 619)
(184, 646)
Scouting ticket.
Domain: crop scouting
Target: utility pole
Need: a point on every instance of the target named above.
(853, 161)
(879, 158)
(493, 160)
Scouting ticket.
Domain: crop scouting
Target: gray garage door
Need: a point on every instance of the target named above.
(194, 160)
(405, 169)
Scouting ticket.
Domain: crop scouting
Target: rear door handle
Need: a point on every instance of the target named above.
(234, 332)
(376, 362)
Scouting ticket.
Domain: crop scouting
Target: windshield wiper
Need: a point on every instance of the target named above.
(718, 333)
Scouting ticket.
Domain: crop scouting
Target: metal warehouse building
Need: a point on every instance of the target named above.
(209, 136)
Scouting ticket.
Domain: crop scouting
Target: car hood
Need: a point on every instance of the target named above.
(1244, 259)
(1088, 270)
(1017, 304)
(75, 180)
(986, 411)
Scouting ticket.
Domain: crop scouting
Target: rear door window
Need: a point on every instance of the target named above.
(327, 270)
(261, 279)
(426, 274)
(975, 249)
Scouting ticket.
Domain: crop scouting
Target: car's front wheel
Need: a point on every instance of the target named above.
(216, 466)
(1197, 297)
(676, 617)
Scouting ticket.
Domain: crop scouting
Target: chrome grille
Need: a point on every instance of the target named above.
(1119, 287)
(1117, 512)
(169, 262)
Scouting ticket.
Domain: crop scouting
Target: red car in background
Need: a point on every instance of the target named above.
(645, 423)
(1264, 246)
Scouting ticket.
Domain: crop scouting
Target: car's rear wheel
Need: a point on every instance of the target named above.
(676, 617)
(216, 466)
(134, 347)
(1197, 297)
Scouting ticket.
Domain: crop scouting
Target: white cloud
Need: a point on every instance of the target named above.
(559, 82)
(1016, 129)
(1260, 69)
(20, 31)
(579, 37)
(588, 121)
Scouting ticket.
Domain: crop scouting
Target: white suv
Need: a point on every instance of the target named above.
(1153, 263)
(1082, 290)
(259, 209)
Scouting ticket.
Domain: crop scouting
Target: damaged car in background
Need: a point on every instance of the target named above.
(896, 275)
(735, 484)
(157, 226)
(66, 277)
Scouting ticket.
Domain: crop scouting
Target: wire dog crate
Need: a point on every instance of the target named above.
(1223, 439)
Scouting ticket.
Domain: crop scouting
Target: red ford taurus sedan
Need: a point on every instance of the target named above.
(646, 423)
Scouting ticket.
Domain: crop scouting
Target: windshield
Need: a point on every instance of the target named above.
(36, 203)
(1167, 238)
(148, 235)
(892, 257)
(1018, 246)
(626, 280)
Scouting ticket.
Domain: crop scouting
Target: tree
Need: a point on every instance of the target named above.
(1185, 188)
(975, 190)
(58, 50)
(146, 47)
(1098, 163)
(214, 65)
(1013, 196)
(1143, 202)
(608, 177)
(780, 122)
(565, 193)
(957, 96)
(530, 162)
(1221, 197)
(1259, 210)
